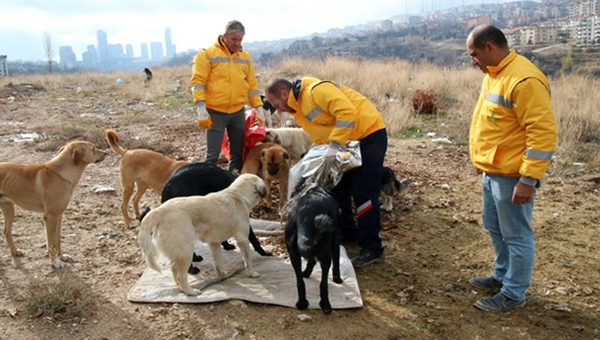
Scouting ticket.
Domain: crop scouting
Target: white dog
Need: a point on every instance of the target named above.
(177, 223)
(295, 140)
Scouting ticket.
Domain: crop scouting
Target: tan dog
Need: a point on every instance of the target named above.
(271, 162)
(141, 167)
(295, 140)
(45, 188)
(177, 223)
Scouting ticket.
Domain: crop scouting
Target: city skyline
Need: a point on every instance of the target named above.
(193, 25)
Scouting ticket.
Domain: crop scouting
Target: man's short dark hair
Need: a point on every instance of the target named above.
(488, 33)
(277, 85)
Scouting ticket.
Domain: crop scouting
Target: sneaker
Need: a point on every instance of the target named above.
(488, 282)
(367, 257)
(498, 303)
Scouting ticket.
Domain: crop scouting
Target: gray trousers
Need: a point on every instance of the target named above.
(235, 124)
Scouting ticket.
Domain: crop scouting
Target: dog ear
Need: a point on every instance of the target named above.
(77, 155)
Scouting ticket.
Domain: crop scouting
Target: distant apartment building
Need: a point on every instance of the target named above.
(480, 20)
(584, 8)
(89, 57)
(156, 50)
(67, 57)
(587, 31)
(115, 51)
(386, 25)
(513, 36)
(102, 45)
(529, 35)
(3, 66)
(144, 50)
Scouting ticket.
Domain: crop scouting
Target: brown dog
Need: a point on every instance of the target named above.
(45, 188)
(271, 162)
(141, 167)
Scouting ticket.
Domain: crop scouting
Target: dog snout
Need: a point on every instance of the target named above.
(262, 190)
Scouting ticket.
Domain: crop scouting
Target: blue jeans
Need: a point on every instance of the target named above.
(509, 225)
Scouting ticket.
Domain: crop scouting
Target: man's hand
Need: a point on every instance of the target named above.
(331, 151)
(203, 116)
(523, 193)
(260, 112)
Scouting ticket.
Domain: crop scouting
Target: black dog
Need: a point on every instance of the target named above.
(202, 179)
(148, 74)
(311, 232)
(267, 106)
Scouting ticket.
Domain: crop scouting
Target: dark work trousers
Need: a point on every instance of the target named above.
(234, 123)
(362, 185)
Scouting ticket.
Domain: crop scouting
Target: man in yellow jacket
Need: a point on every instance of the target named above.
(511, 142)
(223, 81)
(334, 114)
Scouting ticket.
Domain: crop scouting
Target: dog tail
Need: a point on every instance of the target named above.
(113, 141)
(145, 242)
(324, 225)
(402, 185)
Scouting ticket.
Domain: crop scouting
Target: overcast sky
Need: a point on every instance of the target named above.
(193, 24)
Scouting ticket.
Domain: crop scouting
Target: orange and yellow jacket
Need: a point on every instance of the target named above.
(513, 129)
(224, 81)
(331, 112)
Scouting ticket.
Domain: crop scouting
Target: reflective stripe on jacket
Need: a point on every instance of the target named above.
(333, 112)
(224, 81)
(513, 129)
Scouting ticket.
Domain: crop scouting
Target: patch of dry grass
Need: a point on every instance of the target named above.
(389, 84)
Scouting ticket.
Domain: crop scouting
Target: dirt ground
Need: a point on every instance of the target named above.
(434, 243)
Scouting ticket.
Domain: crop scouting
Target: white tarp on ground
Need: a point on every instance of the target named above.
(276, 285)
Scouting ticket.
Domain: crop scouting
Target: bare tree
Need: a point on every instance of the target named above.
(48, 50)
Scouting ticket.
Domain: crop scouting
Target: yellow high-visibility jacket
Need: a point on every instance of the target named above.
(224, 81)
(513, 129)
(332, 112)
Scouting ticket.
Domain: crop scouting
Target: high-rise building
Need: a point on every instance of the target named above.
(169, 47)
(67, 57)
(102, 46)
(115, 51)
(156, 50)
(144, 51)
(129, 50)
(3, 66)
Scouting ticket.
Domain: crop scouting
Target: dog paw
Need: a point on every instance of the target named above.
(58, 264)
(228, 246)
(325, 307)
(197, 258)
(302, 304)
(338, 280)
(193, 270)
(254, 275)
(18, 253)
(194, 292)
(66, 258)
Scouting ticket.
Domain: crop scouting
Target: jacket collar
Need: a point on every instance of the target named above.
(494, 70)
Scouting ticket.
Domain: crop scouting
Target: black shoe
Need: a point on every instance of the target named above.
(488, 282)
(367, 257)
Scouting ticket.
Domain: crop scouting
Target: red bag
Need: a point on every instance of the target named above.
(254, 132)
